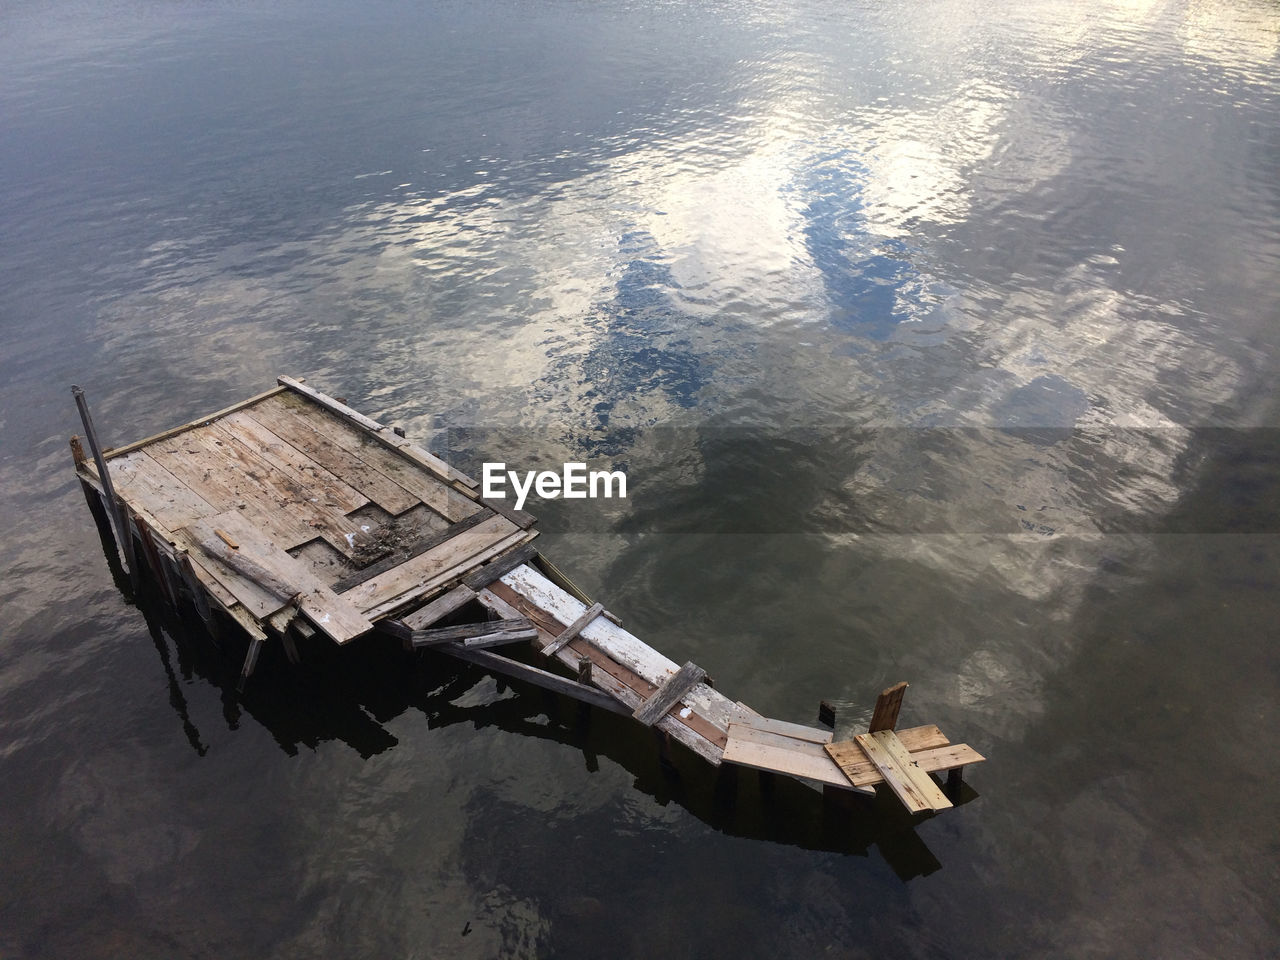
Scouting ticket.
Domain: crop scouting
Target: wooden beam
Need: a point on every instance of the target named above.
(526, 635)
(669, 694)
(466, 631)
(439, 608)
(885, 716)
(575, 628)
(542, 678)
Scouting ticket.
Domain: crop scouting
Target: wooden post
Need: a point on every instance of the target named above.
(955, 778)
(584, 669)
(827, 713)
(123, 536)
(888, 704)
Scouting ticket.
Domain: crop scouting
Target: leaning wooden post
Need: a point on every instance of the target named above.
(123, 534)
(888, 704)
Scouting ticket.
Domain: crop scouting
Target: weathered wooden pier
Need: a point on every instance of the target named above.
(297, 518)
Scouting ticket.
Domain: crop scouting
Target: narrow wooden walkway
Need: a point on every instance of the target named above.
(296, 516)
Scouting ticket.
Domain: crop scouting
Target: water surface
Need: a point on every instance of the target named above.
(939, 342)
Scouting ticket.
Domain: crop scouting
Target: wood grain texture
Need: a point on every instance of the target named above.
(888, 705)
(796, 758)
(674, 689)
(303, 435)
(911, 785)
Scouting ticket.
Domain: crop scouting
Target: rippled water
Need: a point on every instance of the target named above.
(939, 342)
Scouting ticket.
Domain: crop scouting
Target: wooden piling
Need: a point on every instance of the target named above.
(123, 537)
(888, 705)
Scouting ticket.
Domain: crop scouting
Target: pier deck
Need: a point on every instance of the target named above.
(297, 517)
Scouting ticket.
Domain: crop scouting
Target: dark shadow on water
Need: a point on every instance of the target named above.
(348, 694)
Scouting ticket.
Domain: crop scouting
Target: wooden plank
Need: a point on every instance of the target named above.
(888, 704)
(924, 737)
(406, 448)
(417, 549)
(795, 731)
(292, 498)
(324, 400)
(794, 758)
(140, 479)
(410, 579)
(450, 502)
(331, 491)
(575, 628)
(334, 616)
(112, 452)
(466, 631)
(341, 462)
(439, 608)
(711, 711)
(498, 639)
(912, 786)
(669, 694)
(690, 728)
(542, 678)
(218, 479)
(500, 566)
(239, 580)
(862, 772)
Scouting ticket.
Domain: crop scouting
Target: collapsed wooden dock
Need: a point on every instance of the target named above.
(297, 517)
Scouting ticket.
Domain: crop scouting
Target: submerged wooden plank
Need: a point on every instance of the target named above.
(534, 675)
(673, 690)
(437, 493)
(337, 459)
(330, 490)
(335, 617)
(912, 786)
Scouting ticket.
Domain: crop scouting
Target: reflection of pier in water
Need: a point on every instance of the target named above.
(305, 525)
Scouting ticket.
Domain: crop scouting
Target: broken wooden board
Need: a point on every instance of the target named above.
(420, 575)
(440, 607)
(326, 610)
(302, 434)
(416, 478)
(575, 628)
(911, 785)
(674, 689)
(888, 705)
(468, 631)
